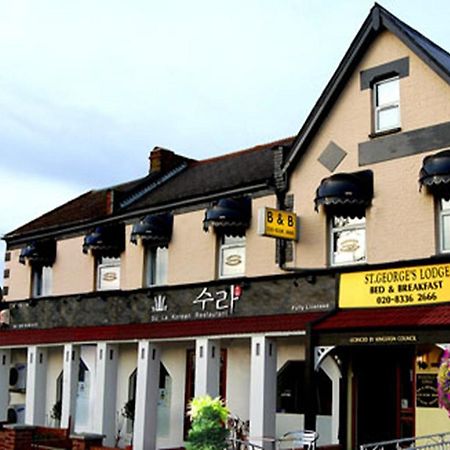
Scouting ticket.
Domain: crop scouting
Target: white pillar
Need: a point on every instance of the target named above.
(333, 372)
(147, 388)
(105, 392)
(207, 367)
(263, 387)
(5, 363)
(35, 399)
(71, 367)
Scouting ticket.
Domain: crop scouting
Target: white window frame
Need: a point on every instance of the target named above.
(385, 106)
(105, 263)
(334, 230)
(41, 281)
(223, 246)
(442, 214)
(155, 259)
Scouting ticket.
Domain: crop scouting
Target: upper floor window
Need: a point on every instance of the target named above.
(386, 100)
(231, 256)
(348, 240)
(41, 280)
(230, 218)
(108, 273)
(444, 225)
(155, 266)
(435, 176)
(345, 198)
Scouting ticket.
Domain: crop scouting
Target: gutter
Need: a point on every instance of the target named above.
(131, 215)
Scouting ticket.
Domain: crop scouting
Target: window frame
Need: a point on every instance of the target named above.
(224, 246)
(333, 230)
(152, 257)
(110, 263)
(442, 213)
(386, 106)
(41, 281)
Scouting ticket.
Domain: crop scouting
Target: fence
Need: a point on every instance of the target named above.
(439, 441)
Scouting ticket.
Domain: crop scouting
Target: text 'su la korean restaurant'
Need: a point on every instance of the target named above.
(388, 335)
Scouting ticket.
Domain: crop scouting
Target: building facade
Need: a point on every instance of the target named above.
(131, 300)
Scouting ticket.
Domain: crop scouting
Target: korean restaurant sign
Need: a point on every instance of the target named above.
(278, 224)
(405, 286)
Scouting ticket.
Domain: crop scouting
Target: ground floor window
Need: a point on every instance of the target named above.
(291, 389)
(163, 412)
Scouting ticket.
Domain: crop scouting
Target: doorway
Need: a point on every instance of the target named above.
(190, 383)
(383, 394)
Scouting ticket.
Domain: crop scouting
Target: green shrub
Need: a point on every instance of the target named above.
(208, 418)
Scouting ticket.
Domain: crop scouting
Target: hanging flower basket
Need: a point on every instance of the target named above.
(444, 382)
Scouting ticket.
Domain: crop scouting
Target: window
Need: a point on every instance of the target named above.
(290, 385)
(41, 280)
(108, 273)
(348, 240)
(386, 104)
(444, 225)
(155, 267)
(231, 256)
(291, 389)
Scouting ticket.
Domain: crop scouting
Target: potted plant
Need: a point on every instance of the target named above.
(444, 382)
(208, 431)
(55, 412)
(128, 413)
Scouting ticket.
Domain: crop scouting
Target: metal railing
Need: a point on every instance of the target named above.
(303, 439)
(439, 441)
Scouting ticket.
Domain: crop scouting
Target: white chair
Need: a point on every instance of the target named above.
(299, 439)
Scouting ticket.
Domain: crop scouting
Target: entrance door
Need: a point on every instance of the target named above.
(190, 382)
(383, 394)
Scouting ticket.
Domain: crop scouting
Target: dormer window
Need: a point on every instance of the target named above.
(41, 281)
(155, 266)
(345, 198)
(154, 232)
(444, 225)
(231, 256)
(230, 218)
(386, 100)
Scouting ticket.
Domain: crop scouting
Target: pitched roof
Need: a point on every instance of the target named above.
(241, 169)
(212, 176)
(379, 19)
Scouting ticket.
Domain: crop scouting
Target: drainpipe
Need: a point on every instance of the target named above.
(310, 381)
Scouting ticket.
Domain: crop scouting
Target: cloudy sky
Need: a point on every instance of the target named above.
(89, 87)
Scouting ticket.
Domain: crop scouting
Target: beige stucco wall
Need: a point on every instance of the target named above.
(73, 271)
(54, 368)
(19, 281)
(192, 252)
(238, 368)
(399, 212)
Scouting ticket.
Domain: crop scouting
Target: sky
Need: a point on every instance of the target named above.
(89, 87)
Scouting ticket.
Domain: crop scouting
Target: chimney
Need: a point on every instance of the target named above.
(162, 160)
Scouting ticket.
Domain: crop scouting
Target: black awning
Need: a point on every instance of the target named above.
(230, 216)
(346, 194)
(435, 173)
(105, 241)
(154, 229)
(39, 252)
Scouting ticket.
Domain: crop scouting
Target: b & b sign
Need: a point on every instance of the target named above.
(278, 224)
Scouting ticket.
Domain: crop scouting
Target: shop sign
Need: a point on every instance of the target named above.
(426, 390)
(383, 339)
(405, 286)
(208, 304)
(278, 224)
